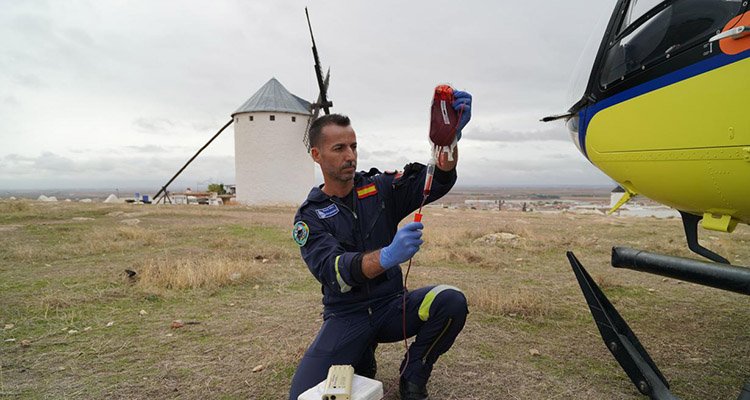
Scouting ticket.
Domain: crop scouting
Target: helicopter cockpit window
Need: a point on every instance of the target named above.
(652, 32)
(637, 9)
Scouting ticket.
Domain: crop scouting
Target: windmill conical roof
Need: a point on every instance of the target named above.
(273, 96)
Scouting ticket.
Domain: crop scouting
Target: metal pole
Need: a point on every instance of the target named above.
(164, 188)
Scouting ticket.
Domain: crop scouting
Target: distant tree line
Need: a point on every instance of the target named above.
(217, 187)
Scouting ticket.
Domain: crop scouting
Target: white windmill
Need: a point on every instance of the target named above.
(271, 162)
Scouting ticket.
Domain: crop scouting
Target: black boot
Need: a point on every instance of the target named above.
(368, 366)
(369, 371)
(412, 391)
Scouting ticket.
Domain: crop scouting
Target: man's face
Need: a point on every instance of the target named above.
(336, 153)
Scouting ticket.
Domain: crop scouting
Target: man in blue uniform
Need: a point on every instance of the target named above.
(348, 234)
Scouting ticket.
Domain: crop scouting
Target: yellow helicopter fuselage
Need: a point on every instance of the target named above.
(686, 144)
(664, 114)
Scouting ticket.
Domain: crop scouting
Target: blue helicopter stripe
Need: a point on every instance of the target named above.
(588, 113)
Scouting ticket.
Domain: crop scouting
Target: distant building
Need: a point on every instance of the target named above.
(272, 165)
(179, 198)
(482, 204)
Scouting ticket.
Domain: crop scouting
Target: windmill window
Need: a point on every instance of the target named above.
(294, 119)
(273, 118)
(251, 118)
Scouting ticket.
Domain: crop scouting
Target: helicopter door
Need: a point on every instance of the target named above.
(655, 38)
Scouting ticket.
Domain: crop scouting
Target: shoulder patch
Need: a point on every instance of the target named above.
(300, 233)
(327, 212)
(367, 191)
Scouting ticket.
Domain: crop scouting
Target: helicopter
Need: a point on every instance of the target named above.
(662, 115)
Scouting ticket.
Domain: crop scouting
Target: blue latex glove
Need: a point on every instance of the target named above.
(403, 247)
(462, 104)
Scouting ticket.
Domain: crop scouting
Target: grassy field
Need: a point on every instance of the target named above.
(73, 325)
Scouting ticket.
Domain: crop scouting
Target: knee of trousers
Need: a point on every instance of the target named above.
(450, 303)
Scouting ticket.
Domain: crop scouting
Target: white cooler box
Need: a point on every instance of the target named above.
(362, 389)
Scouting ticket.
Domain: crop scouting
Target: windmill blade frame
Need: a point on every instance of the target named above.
(315, 111)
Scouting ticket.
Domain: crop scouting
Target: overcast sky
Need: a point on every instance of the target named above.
(118, 94)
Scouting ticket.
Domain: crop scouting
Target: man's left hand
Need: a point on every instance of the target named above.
(462, 105)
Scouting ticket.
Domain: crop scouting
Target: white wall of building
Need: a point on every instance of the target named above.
(271, 162)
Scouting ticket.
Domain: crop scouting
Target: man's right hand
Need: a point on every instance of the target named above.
(405, 244)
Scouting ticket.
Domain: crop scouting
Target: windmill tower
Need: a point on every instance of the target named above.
(271, 162)
(272, 165)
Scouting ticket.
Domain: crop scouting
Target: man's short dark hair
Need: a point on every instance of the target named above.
(316, 128)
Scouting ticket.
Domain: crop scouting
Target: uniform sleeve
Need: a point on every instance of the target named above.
(408, 188)
(327, 260)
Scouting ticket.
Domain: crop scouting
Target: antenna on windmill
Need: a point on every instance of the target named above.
(322, 102)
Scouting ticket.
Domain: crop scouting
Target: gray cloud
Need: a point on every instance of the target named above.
(149, 149)
(385, 153)
(171, 127)
(11, 101)
(17, 158)
(154, 125)
(121, 82)
(133, 150)
(204, 127)
(363, 153)
(78, 36)
(30, 81)
(50, 162)
(500, 135)
(544, 171)
(52, 169)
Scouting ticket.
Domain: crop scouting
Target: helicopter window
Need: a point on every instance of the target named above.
(675, 28)
(637, 9)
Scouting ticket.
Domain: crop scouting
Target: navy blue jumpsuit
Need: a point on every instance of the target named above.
(359, 312)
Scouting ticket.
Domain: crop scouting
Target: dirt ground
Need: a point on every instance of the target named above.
(73, 325)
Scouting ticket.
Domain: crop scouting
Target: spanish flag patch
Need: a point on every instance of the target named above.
(367, 191)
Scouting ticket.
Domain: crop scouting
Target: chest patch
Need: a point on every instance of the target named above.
(327, 212)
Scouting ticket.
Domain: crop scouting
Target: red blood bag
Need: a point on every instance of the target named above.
(443, 121)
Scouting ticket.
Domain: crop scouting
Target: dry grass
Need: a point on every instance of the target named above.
(193, 273)
(607, 282)
(14, 206)
(146, 237)
(199, 264)
(54, 241)
(521, 303)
